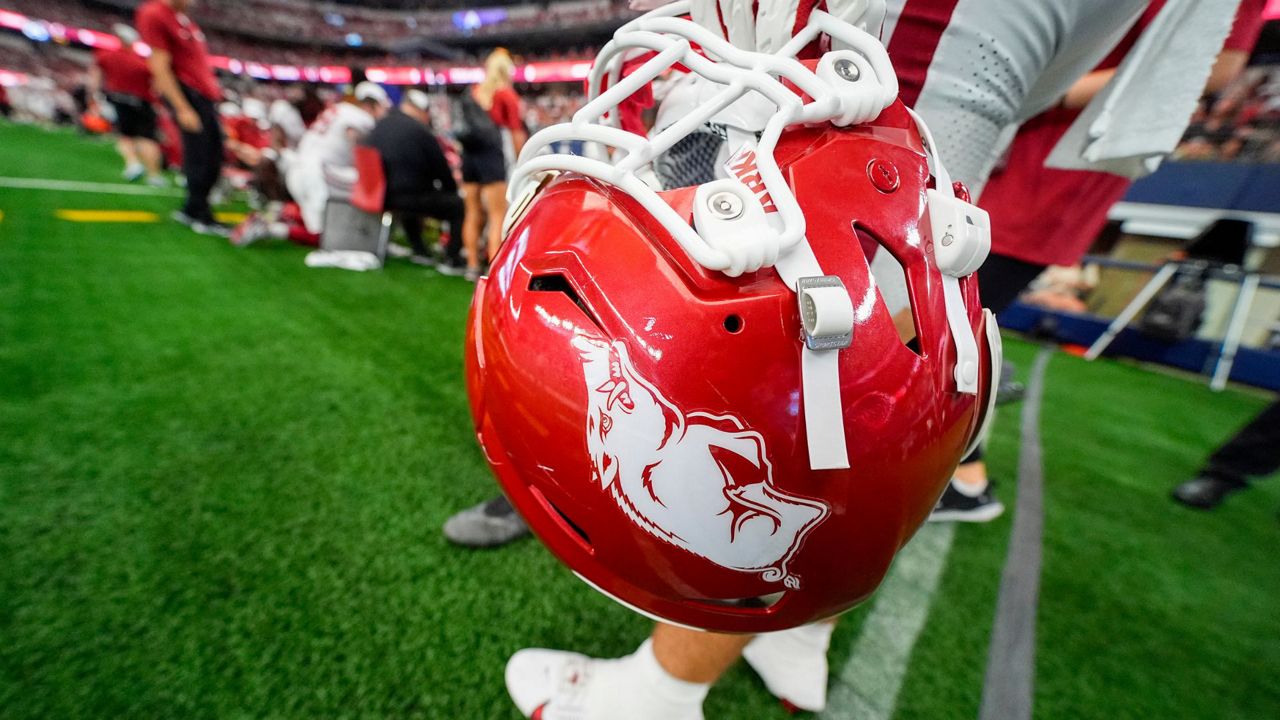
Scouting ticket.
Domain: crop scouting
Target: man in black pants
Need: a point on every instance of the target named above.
(1253, 452)
(184, 78)
(419, 181)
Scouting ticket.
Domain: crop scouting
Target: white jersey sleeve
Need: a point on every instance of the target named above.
(997, 64)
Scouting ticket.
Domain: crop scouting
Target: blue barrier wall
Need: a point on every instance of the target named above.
(1227, 186)
(1258, 368)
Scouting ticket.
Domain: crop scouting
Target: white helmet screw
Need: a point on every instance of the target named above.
(725, 205)
(848, 70)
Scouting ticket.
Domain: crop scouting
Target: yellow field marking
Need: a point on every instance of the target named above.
(107, 216)
(1, 216)
(231, 217)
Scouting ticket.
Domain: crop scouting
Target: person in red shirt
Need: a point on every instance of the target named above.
(185, 80)
(1026, 192)
(124, 78)
(486, 152)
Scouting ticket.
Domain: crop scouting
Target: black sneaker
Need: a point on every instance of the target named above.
(955, 506)
(1205, 492)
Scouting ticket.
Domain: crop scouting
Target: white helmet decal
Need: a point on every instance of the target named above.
(699, 481)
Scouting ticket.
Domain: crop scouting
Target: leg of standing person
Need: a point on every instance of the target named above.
(968, 498)
(202, 162)
(471, 226)
(493, 522)
(152, 159)
(1253, 452)
(133, 167)
(494, 196)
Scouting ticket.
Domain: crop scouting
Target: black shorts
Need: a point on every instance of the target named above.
(135, 118)
(484, 168)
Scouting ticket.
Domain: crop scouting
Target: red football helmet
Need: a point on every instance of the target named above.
(698, 398)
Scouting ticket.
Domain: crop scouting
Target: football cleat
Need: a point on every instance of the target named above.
(793, 664)
(556, 685)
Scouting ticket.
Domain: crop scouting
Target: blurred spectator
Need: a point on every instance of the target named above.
(183, 76)
(286, 119)
(492, 134)
(1241, 124)
(320, 168)
(419, 182)
(123, 78)
(1253, 452)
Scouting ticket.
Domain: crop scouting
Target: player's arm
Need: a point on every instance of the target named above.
(1229, 65)
(1086, 88)
(161, 64)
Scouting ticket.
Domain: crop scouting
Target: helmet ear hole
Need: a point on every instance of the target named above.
(893, 285)
(733, 324)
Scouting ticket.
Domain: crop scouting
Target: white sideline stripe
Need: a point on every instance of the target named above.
(86, 187)
(866, 687)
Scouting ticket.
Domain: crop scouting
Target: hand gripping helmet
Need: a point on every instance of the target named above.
(697, 396)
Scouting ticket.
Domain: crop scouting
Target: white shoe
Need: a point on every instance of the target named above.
(555, 685)
(133, 172)
(793, 664)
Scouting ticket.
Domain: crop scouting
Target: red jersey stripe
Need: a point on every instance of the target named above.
(914, 41)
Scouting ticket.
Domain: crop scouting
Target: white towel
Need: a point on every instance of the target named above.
(1140, 116)
(357, 260)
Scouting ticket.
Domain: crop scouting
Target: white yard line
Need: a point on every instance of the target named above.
(87, 187)
(866, 686)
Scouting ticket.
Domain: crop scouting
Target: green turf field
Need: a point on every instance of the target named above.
(222, 478)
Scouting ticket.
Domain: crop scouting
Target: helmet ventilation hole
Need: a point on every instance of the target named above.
(733, 324)
(557, 283)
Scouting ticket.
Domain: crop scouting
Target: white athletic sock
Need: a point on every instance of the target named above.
(665, 686)
(972, 490)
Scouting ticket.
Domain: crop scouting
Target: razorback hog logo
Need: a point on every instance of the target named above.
(743, 167)
(698, 481)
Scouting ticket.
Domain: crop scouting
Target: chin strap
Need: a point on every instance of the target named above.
(961, 236)
(737, 208)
